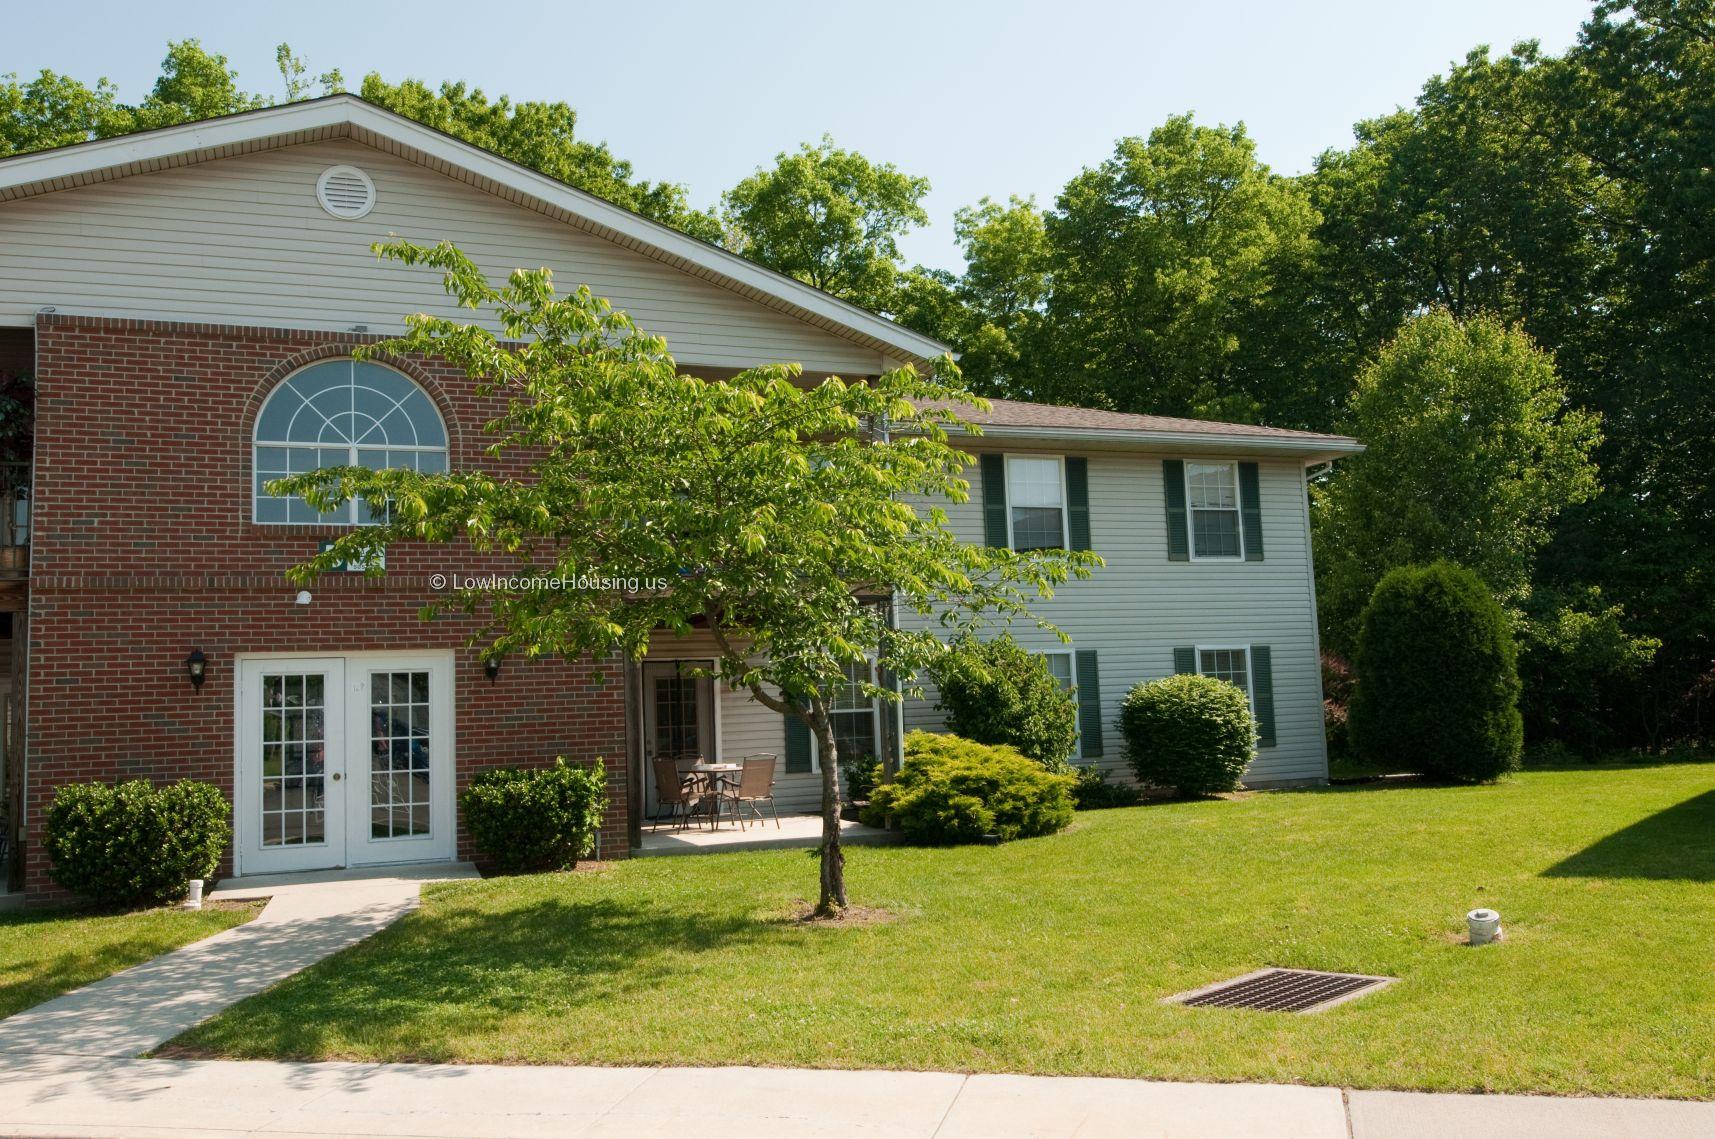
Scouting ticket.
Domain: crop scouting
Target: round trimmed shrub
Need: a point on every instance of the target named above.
(1438, 685)
(524, 820)
(132, 843)
(1191, 733)
(995, 692)
(953, 790)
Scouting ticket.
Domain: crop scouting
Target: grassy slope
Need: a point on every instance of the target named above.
(46, 953)
(1052, 955)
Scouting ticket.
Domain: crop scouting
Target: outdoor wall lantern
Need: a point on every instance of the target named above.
(196, 667)
(491, 669)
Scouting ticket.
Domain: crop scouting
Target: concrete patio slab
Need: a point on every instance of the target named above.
(143, 1007)
(794, 831)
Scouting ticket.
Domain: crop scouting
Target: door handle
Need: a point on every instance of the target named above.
(336, 777)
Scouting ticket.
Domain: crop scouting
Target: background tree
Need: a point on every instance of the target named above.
(1156, 256)
(55, 110)
(829, 217)
(767, 512)
(1472, 453)
(1635, 98)
(542, 136)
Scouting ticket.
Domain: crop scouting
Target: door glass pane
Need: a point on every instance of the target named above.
(294, 750)
(399, 744)
(677, 732)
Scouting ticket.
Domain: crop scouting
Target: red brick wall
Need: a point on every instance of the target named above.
(143, 549)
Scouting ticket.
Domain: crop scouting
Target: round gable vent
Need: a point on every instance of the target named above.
(345, 192)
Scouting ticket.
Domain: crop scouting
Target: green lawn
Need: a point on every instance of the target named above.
(1052, 955)
(49, 952)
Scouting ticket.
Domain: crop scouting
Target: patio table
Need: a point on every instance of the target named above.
(716, 777)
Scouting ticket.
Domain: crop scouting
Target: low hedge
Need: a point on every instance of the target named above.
(133, 843)
(532, 819)
(1188, 732)
(953, 790)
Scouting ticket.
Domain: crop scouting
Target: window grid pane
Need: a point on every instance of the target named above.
(1230, 665)
(399, 746)
(343, 413)
(294, 752)
(1212, 492)
(1060, 667)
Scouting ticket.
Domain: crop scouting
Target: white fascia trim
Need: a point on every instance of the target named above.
(351, 112)
(1311, 450)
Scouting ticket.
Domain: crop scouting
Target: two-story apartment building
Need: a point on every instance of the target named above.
(187, 300)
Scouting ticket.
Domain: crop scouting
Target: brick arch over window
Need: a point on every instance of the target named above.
(336, 410)
(298, 361)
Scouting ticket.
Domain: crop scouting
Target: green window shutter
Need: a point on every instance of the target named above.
(797, 745)
(1089, 705)
(1078, 503)
(1184, 660)
(994, 501)
(1262, 677)
(1178, 539)
(1250, 511)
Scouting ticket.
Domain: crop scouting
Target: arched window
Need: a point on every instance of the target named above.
(343, 413)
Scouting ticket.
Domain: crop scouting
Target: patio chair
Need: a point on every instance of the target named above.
(755, 786)
(674, 790)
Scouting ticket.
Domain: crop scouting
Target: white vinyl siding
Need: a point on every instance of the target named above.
(1137, 609)
(243, 241)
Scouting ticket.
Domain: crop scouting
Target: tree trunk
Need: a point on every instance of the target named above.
(833, 899)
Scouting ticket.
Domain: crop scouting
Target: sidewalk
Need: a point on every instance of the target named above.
(205, 1099)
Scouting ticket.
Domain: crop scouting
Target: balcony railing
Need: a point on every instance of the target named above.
(14, 519)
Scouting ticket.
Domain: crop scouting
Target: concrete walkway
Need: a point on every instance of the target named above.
(308, 917)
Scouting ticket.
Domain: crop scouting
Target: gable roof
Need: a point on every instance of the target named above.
(349, 117)
(1014, 419)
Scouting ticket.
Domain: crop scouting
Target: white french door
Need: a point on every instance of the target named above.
(343, 761)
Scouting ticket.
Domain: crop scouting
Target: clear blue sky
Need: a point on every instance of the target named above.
(983, 98)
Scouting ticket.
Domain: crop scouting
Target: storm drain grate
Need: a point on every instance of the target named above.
(1283, 990)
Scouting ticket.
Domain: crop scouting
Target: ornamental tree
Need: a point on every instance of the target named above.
(783, 517)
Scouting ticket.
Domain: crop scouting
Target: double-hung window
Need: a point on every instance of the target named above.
(855, 716)
(1036, 494)
(1060, 668)
(1229, 663)
(1212, 493)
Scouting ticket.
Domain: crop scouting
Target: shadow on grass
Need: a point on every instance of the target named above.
(1676, 844)
(469, 970)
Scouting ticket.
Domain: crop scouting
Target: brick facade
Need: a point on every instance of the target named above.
(143, 549)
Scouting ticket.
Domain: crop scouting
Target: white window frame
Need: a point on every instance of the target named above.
(353, 508)
(1065, 507)
(1250, 667)
(1191, 511)
(1072, 671)
(875, 714)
